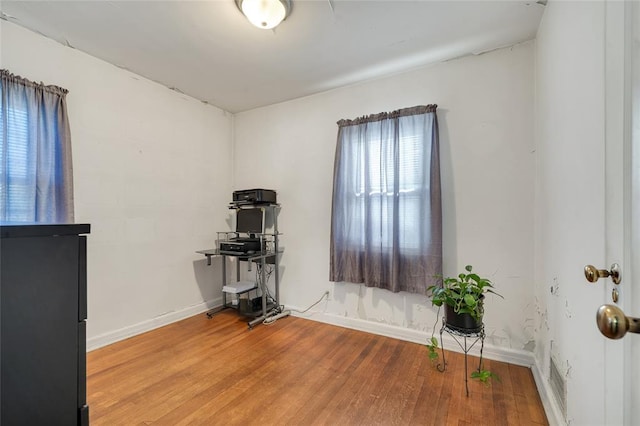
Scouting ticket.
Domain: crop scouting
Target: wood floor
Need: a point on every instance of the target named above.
(294, 372)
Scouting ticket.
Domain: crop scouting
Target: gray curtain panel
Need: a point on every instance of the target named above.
(36, 174)
(386, 218)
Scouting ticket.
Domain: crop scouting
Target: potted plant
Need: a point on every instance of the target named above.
(463, 299)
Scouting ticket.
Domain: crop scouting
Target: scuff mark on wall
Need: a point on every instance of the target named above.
(502, 337)
(6, 16)
(567, 376)
(528, 323)
(555, 287)
(543, 316)
(567, 312)
(361, 310)
(530, 346)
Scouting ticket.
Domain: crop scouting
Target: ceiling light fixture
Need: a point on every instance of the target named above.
(265, 14)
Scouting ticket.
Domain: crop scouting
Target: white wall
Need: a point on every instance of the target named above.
(151, 172)
(570, 214)
(152, 167)
(486, 126)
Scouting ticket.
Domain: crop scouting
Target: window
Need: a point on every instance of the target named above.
(380, 182)
(386, 214)
(14, 158)
(35, 152)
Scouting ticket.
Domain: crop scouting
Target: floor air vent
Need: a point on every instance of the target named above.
(559, 386)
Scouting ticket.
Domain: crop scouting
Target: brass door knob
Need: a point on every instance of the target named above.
(614, 324)
(592, 274)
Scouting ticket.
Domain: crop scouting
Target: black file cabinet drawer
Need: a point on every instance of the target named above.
(42, 325)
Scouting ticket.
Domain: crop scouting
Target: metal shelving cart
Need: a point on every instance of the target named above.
(266, 259)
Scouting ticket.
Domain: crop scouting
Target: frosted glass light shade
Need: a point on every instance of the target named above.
(265, 14)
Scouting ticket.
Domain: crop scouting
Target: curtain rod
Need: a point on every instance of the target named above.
(8, 76)
(404, 112)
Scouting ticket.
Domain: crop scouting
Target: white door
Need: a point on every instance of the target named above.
(585, 114)
(622, 140)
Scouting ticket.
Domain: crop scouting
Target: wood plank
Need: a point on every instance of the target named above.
(529, 402)
(296, 371)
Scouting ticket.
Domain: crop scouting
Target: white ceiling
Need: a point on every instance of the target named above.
(208, 50)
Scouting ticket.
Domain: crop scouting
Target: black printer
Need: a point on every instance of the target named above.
(241, 246)
(254, 196)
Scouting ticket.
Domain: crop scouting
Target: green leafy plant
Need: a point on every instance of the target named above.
(483, 376)
(433, 342)
(463, 293)
(433, 349)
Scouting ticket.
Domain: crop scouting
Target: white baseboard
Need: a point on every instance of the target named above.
(551, 408)
(512, 356)
(148, 325)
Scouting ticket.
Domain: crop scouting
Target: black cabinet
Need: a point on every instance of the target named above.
(43, 300)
